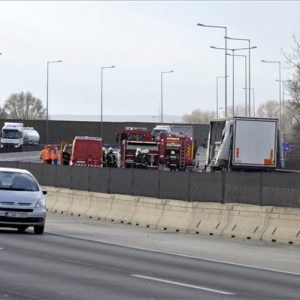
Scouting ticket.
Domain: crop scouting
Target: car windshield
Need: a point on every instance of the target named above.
(17, 181)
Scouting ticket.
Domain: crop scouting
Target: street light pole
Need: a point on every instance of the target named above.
(217, 95)
(47, 97)
(279, 82)
(161, 95)
(253, 101)
(225, 75)
(235, 49)
(246, 90)
(249, 69)
(101, 125)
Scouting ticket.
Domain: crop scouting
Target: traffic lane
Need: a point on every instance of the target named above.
(126, 273)
(55, 271)
(31, 156)
(259, 254)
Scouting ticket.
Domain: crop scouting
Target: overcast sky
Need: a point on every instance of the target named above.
(141, 39)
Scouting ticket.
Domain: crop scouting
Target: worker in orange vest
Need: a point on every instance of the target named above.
(54, 155)
(45, 155)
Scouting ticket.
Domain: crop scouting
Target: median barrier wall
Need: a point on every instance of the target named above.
(209, 218)
(176, 216)
(120, 182)
(148, 212)
(206, 187)
(174, 185)
(146, 183)
(267, 189)
(277, 224)
(241, 187)
(283, 190)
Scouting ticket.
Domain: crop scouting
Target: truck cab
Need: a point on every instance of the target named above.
(12, 136)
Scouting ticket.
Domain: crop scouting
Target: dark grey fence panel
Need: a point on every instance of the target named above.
(35, 169)
(99, 180)
(49, 175)
(80, 178)
(63, 176)
(9, 164)
(281, 189)
(174, 185)
(242, 187)
(206, 187)
(146, 183)
(120, 181)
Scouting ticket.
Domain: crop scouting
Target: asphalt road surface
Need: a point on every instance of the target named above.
(84, 259)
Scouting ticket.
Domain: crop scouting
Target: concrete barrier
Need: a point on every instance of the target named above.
(176, 216)
(51, 197)
(283, 226)
(122, 209)
(277, 224)
(148, 212)
(209, 218)
(81, 202)
(101, 205)
(63, 202)
(247, 221)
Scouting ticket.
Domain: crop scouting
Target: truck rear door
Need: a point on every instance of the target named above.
(254, 143)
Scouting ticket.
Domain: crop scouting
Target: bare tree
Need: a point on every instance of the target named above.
(198, 116)
(268, 109)
(24, 106)
(293, 85)
(3, 114)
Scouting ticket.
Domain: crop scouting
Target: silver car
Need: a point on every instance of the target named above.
(22, 202)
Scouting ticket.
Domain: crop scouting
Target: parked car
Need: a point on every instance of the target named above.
(22, 202)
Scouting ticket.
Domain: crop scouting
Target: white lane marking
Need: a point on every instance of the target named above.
(179, 255)
(192, 286)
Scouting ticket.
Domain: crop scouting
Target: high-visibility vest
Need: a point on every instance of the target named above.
(45, 155)
(53, 155)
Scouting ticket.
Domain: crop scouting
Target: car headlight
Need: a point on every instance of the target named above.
(41, 203)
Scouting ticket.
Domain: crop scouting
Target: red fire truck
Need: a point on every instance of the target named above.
(183, 146)
(136, 134)
(133, 138)
(86, 152)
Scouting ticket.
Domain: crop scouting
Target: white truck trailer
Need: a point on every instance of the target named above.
(244, 143)
(15, 136)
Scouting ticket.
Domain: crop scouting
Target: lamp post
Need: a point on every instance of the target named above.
(253, 101)
(246, 101)
(249, 56)
(225, 75)
(233, 54)
(217, 94)
(279, 81)
(161, 95)
(47, 97)
(283, 82)
(101, 125)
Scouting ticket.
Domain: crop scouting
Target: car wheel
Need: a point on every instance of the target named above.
(39, 229)
(22, 229)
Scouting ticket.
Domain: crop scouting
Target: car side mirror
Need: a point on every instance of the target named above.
(44, 192)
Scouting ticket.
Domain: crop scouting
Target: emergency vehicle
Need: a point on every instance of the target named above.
(86, 152)
(133, 138)
(136, 134)
(183, 146)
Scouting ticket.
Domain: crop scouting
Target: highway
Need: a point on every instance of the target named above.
(84, 259)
